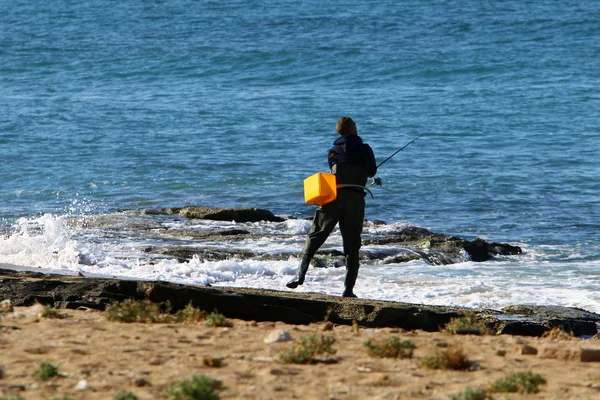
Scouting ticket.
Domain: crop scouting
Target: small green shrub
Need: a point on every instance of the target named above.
(131, 310)
(471, 394)
(391, 347)
(47, 370)
(452, 358)
(146, 311)
(190, 314)
(125, 396)
(432, 362)
(308, 348)
(468, 322)
(200, 387)
(51, 313)
(523, 382)
(215, 319)
(12, 398)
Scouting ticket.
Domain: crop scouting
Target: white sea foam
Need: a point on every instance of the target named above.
(51, 243)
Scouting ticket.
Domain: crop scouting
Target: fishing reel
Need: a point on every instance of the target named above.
(377, 182)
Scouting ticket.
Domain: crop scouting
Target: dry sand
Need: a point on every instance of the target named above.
(104, 358)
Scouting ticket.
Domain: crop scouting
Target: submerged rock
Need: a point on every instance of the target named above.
(249, 214)
(408, 244)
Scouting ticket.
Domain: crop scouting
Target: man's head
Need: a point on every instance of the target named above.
(345, 126)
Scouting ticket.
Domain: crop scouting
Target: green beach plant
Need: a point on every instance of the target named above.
(146, 311)
(131, 310)
(390, 347)
(47, 370)
(471, 394)
(52, 313)
(466, 323)
(190, 314)
(125, 396)
(452, 358)
(216, 319)
(522, 382)
(309, 346)
(199, 387)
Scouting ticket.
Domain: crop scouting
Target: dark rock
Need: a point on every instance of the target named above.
(183, 253)
(246, 304)
(220, 214)
(444, 249)
(27, 288)
(549, 312)
(532, 320)
(480, 250)
(528, 350)
(407, 244)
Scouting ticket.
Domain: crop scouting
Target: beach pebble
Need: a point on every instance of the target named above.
(327, 326)
(590, 355)
(279, 335)
(81, 385)
(141, 382)
(529, 350)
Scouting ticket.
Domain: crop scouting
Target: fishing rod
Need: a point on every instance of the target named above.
(399, 150)
(377, 181)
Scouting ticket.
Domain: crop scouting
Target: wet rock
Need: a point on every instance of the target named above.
(480, 250)
(407, 244)
(569, 319)
(441, 249)
(531, 320)
(220, 214)
(246, 304)
(27, 289)
(549, 312)
(183, 253)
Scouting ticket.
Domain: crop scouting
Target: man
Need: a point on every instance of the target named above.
(352, 162)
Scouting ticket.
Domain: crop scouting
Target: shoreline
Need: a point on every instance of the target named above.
(26, 288)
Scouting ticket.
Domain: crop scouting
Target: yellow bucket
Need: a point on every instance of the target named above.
(320, 189)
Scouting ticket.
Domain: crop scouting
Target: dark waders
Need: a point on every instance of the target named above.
(349, 210)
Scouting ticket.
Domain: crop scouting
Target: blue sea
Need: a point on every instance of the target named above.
(109, 105)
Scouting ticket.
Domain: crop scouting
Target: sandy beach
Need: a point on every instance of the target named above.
(98, 359)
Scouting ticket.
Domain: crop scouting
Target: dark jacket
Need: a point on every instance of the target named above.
(351, 160)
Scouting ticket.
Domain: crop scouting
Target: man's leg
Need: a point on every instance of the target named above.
(326, 217)
(351, 225)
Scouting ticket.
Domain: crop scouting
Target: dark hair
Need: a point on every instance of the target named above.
(345, 125)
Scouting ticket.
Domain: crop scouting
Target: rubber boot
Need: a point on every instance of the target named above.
(351, 275)
(301, 273)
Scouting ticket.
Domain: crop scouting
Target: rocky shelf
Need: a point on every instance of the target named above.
(398, 246)
(25, 288)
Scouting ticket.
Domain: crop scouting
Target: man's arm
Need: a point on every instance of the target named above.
(371, 163)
